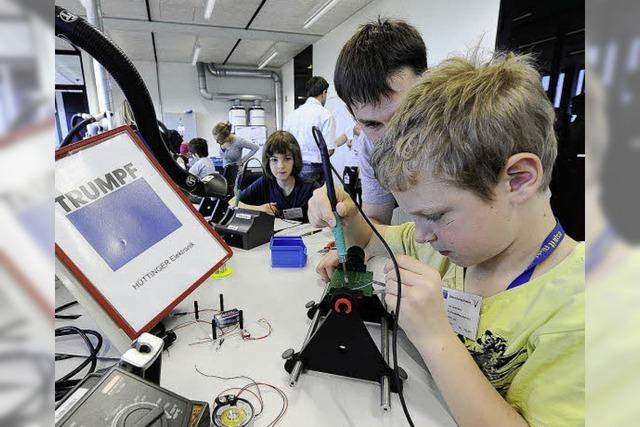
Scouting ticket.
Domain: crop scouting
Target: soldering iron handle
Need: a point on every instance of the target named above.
(326, 166)
(338, 233)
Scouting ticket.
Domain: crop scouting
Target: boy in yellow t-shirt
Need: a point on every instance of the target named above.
(492, 288)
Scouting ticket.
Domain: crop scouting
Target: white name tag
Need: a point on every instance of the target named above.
(463, 311)
(292, 213)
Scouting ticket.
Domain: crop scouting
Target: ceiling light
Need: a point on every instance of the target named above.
(319, 13)
(267, 58)
(208, 10)
(196, 53)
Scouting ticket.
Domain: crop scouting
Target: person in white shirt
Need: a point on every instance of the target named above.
(300, 122)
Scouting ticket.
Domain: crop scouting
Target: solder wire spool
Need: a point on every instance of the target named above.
(240, 413)
(225, 270)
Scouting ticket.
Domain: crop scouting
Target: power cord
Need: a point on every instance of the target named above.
(66, 383)
(67, 316)
(396, 315)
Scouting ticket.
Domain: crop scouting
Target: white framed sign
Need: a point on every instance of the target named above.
(127, 233)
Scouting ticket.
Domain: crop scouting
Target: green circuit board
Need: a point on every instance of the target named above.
(357, 280)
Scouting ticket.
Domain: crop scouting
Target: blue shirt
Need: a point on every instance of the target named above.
(266, 190)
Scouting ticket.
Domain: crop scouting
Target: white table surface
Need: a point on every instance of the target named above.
(279, 295)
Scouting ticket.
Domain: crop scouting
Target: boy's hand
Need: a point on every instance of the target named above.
(328, 265)
(422, 311)
(319, 212)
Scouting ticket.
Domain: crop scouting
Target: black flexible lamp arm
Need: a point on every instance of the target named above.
(79, 32)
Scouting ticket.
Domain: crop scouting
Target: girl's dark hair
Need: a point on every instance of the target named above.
(199, 146)
(282, 142)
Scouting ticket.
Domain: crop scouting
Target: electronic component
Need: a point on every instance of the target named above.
(226, 318)
(233, 411)
(120, 398)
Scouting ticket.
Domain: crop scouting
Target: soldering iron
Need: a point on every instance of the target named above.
(338, 230)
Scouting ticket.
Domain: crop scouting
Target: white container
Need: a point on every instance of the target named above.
(256, 115)
(237, 115)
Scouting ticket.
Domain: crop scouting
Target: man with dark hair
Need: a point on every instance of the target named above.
(375, 69)
(317, 86)
(299, 123)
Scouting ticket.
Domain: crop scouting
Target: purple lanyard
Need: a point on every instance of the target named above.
(548, 246)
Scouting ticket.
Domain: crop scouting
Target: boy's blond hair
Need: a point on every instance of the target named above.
(463, 120)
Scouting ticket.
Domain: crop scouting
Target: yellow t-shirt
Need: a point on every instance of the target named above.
(530, 342)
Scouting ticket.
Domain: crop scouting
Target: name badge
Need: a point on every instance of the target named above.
(463, 311)
(292, 213)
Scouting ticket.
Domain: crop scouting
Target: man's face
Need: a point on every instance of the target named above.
(374, 117)
(456, 222)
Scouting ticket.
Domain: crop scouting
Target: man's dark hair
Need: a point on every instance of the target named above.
(282, 142)
(315, 86)
(372, 55)
(199, 146)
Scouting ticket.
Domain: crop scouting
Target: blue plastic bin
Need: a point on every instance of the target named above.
(288, 251)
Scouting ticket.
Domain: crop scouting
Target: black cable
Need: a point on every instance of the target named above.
(396, 316)
(76, 130)
(66, 383)
(68, 316)
(65, 306)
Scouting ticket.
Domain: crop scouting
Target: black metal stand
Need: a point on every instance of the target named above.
(341, 344)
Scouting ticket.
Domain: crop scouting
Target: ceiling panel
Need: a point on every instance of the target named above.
(136, 45)
(179, 48)
(286, 51)
(132, 9)
(227, 13)
(175, 47)
(290, 15)
(275, 15)
(214, 50)
(250, 52)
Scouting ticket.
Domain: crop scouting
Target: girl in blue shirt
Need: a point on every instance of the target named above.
(280, 192)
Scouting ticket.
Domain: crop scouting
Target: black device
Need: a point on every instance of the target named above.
(122, 399)
(245, 228)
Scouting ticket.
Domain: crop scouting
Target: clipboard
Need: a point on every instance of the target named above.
(127, 233)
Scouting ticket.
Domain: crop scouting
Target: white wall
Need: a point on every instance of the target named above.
(447, 26)
(180, 92)
(288, 89)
